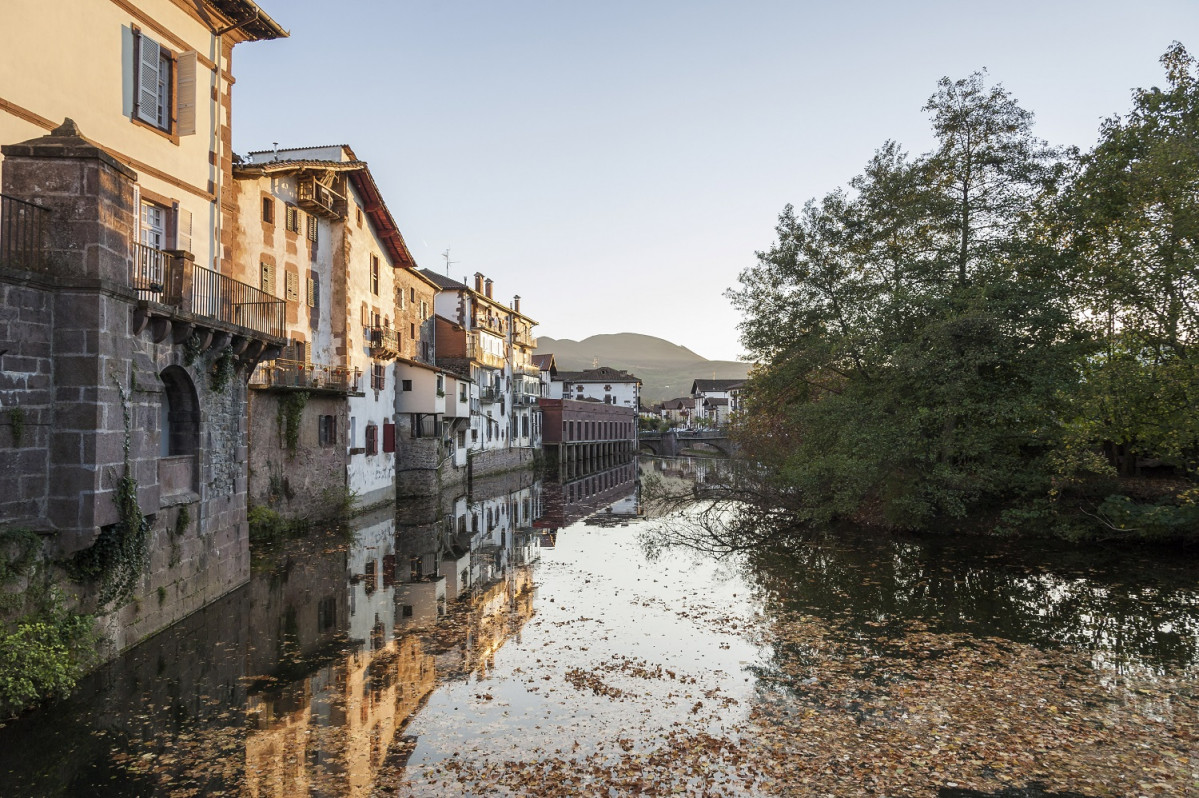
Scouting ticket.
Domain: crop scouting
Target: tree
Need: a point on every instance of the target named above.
(1133, 229)
(915, 334)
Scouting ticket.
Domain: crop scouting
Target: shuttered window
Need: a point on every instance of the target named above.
(292, 286)
(183, 229)
(314, 288)
(292, 219)
(185, 88)
(268, 278)
(149, 67)
(312, 228)
(389, 437)
(372, 439)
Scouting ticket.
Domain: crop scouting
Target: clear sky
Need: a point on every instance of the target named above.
(618, 163)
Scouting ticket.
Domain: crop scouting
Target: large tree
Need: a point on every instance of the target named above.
(914, 330)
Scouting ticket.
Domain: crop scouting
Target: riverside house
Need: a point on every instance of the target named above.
(126, 332)
(317, 234)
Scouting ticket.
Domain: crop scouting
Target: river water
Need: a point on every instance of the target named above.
(530, 638)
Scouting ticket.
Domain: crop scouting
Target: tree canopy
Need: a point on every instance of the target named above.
(988, 332)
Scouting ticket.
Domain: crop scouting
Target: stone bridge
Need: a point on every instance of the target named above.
(670, 443)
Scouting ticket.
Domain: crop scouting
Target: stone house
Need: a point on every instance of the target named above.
(583, 435)
(316, 233)
(124, 336)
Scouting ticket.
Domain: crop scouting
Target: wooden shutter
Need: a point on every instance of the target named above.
(389, 437)
(268, 278)
(183, 229)
(313, 287)
(185, 94)
(149, 56)
(292, 285)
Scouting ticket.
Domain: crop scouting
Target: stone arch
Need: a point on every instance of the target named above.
(180, 413)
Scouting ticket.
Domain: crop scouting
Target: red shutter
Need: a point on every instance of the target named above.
(389, 437)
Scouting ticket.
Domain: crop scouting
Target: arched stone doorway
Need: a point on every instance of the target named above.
(179, 432)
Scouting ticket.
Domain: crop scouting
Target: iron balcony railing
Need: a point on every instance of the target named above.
(282, 373)
(489, 395)
(149, 272)
(22, 234)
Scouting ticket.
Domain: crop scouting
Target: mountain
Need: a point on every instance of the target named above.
(666, 370)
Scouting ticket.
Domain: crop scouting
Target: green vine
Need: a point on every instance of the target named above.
(121, 553)
(291, 409)
(222, 371)
(18, 551)
(16, 417)
(192, 348)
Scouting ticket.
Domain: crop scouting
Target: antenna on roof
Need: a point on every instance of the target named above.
(275, 151)
(448, 262)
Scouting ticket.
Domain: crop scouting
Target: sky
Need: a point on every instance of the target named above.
(617, 164)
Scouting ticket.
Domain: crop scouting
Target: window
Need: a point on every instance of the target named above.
(154, 225)
(375, 275)
(152, 79)
(292, 219)
(412, 294)
(372, 439)
(314, 288)
(406, 385)
(291, 282)
(412, 331)
(312, 229)
(268, 210)
(378, 376)
(389, 437)
(267, 282)
(359, 211)
(462, 392)
(440, 385)
(327, 430)
(424, 310)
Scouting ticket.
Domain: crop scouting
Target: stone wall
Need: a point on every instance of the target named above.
(308, 482)
(100, 387)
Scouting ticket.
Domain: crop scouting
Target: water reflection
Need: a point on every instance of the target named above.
(304, 681)
(1130, 611)
(311, 680)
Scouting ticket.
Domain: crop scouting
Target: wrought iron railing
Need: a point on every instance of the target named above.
(171, 279)
(281, 373)
(149, 272)
(219, 297)
(22, 234)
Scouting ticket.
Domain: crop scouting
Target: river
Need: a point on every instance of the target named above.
(532, 638)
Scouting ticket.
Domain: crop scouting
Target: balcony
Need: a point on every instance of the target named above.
(527, 369)
(489, 396)
(281, 373)
(22, 231)
(524, 400)
(319, 199)
(493, 323)
(170, 278)
(524, 338)
(384, 343)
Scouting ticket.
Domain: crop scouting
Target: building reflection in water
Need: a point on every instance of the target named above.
(304, 681)
(432, 593)
(610, 496)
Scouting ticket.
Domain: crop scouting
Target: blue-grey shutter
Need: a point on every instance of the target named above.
(149, 57)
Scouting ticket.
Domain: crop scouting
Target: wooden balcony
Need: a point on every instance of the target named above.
(319, 199)
(294, 374)
(384, 343)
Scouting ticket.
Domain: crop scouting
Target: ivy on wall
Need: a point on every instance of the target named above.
(291, 410)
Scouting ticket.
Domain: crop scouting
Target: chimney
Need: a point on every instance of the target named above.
(479, 282)
(516, 303)
(487, 288)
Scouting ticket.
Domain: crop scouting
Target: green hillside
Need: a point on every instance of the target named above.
(666, 370)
